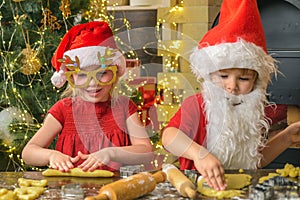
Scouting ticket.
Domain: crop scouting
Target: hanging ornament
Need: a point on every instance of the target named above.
(49, 20)
(98, 10)
(31, 64)
(65, 8)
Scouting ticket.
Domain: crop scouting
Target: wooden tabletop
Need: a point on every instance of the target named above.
(90, 186)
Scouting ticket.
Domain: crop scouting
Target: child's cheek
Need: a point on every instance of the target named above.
(217, 81)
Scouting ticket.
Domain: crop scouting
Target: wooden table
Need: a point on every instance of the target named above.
(91, 186)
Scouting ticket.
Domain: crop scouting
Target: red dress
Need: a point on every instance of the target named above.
(89, 127)
(191, 119)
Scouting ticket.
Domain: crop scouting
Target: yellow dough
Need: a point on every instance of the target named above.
(289, 170)
(6, 194)
(29, 189)
(77, 172)
(265, 178)
(29, 193)
(3, 191)
(31, 182)
(235, 182)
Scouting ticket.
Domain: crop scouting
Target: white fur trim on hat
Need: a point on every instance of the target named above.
(58, 79)
(240, 54)
(88, 56)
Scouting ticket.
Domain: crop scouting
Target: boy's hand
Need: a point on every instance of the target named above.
(212, 171)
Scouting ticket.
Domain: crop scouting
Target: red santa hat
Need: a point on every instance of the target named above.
(238, 41)
(85, 41)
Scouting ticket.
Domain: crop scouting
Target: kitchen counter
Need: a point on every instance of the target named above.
(90, 186)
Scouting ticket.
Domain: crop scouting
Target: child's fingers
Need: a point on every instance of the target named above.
(75, 159)
(63, 167)
(220, 178)
(88, 164)
(70, 164)
(83, 156)
(212, 180)
(94, 167)
(220, 183)
(53, 166)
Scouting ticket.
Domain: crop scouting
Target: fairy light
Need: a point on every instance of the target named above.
(24, 121)
(30, 124)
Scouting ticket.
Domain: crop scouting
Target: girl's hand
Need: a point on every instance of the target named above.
(212, 171)
(94, 160)
(61, 162)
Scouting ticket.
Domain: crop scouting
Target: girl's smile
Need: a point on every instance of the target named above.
(93, 93)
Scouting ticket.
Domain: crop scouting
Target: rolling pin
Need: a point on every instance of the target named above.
(131, 187)
(183, 185)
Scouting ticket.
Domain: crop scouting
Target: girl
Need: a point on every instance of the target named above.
(96, 128)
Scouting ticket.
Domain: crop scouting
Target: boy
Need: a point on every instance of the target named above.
(226, 126)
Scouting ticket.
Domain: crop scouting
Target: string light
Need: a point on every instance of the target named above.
(27, 122)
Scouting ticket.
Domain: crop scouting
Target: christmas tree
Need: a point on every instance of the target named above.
(30, 33)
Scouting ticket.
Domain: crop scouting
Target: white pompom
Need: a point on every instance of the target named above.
(58, 79)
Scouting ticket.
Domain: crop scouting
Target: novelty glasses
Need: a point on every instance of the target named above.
(102, 76)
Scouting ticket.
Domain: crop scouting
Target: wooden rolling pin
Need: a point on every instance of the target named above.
(131, 187)
(183, 185)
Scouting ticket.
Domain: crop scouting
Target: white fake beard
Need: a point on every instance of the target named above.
(236, 128)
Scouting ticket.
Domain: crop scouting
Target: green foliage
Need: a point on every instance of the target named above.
(37, 26)
(33, 26)
(41, 25)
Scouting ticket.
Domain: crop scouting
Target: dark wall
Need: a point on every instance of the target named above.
(281, 21)
(141, 35)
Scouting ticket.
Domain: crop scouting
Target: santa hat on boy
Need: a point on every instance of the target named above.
(238, 41)
(85, 41)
